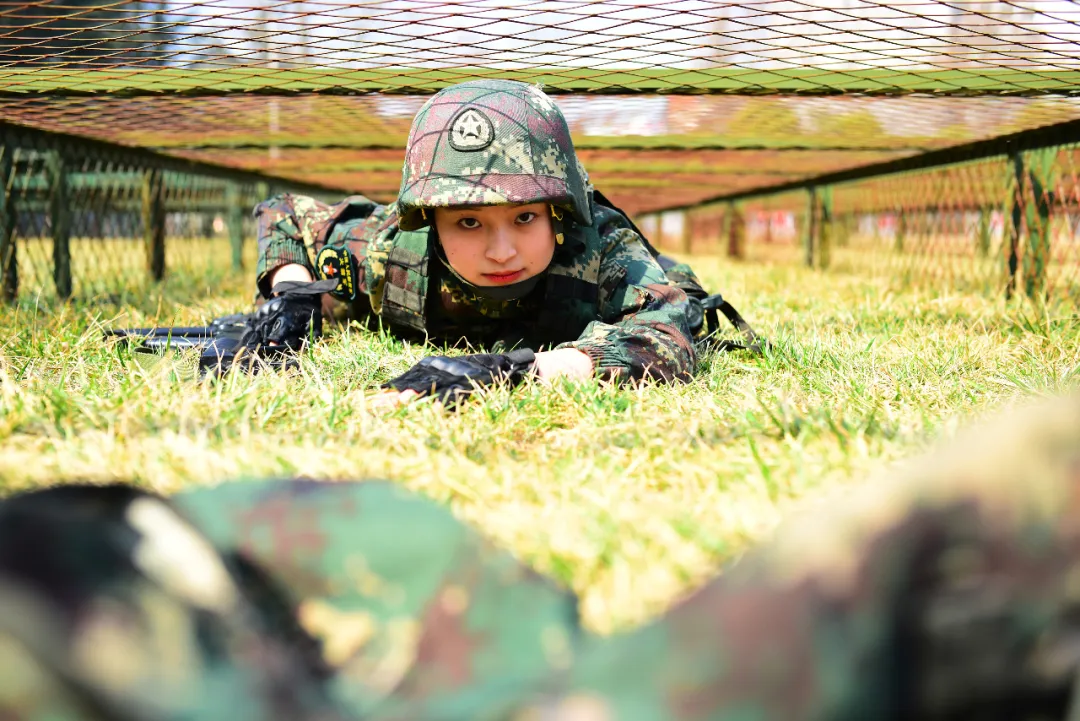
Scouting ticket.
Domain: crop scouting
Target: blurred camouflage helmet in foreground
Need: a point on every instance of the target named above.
(114, 606)
(949, 591)
(490, 142)
(118, 604)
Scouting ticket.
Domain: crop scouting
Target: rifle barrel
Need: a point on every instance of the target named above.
(192, 331)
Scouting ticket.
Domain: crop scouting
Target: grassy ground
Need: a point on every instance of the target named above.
(630, 495)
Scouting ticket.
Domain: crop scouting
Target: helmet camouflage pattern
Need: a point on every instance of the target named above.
(490, 142)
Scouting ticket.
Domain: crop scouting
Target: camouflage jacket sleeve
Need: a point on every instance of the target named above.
(644, 328)
(287, 228)
(292, 228)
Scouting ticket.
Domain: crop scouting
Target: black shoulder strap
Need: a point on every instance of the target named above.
(716, 302)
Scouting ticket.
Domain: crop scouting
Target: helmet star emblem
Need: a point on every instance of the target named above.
(471, 130)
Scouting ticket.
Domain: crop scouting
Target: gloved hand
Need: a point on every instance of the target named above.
(281, 325)
(452, 379)
(288, 319)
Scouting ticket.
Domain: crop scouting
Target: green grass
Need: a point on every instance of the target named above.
(631, 495)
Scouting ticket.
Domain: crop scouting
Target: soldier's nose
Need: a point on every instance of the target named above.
(500, 249)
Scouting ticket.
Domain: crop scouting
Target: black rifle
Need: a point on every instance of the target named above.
(178, 337)
(271, 334)
(218, 343)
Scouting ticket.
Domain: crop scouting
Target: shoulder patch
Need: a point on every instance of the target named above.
(471, 130)
(337, 263)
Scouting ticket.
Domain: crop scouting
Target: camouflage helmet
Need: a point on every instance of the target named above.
(490, 142)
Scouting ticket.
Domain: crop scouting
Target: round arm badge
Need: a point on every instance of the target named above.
(337, 263)
(471, 130)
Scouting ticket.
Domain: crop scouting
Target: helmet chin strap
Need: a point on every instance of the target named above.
(557, 225)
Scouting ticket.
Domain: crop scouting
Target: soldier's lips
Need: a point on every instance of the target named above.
(502, 278)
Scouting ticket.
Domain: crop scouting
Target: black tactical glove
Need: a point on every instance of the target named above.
(281, 325)
(452, 379)
(290, 317)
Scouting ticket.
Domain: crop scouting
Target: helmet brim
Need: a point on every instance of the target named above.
(477, 190)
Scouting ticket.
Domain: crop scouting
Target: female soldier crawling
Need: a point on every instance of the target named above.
(495, 240)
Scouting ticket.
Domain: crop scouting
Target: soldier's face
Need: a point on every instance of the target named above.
(497, 244)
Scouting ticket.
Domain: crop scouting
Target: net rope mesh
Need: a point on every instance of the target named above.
(671, 104)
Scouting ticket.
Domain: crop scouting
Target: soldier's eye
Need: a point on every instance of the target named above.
(527, 217)
(469, 223)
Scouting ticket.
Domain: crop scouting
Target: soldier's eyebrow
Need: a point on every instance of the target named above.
(474, 208)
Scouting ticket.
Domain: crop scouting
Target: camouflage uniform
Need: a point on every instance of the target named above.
(603, 293)
(947, 592)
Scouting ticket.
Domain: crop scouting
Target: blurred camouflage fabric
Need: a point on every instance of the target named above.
(402, 596)
(113, 607)
(950, 590)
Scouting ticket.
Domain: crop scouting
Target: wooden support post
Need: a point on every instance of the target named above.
(1012, 257)
(809, 227)
(60, 218)
(825, 227)
(206, 223)
(234, 219)
(686, 243)
(9, 259)
(1037, 251)
(901, 229)
(153, 217)
(736, 247)
(983, 238)
(723, 229)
